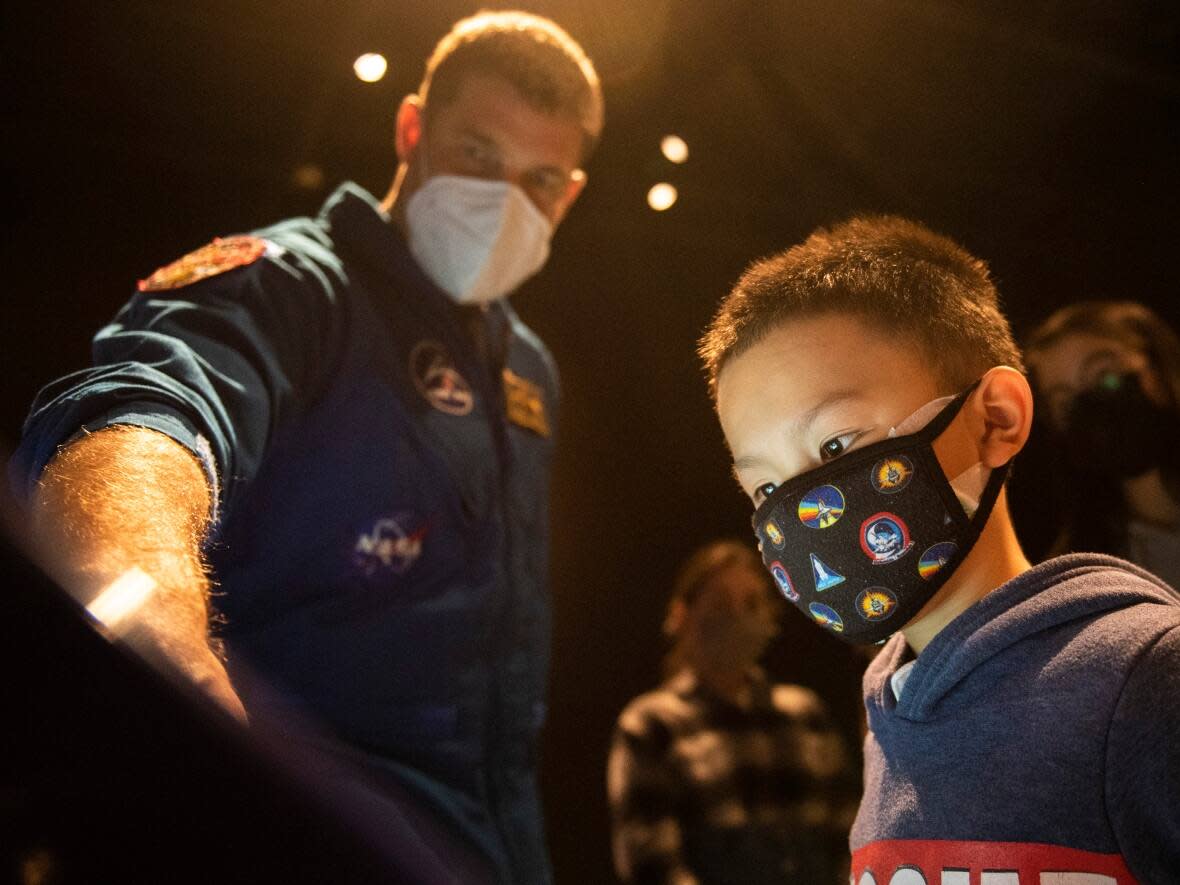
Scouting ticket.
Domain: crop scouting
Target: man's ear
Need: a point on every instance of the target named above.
(572, 190)
(674, 622)
(1001, 413)
(408, 131)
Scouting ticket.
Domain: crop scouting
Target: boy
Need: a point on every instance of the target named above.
(872, 398)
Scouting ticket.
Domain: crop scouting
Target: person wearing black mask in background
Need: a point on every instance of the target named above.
(720, 775)
(1108, 376)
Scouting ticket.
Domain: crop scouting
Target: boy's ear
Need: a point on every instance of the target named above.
(1001, 413)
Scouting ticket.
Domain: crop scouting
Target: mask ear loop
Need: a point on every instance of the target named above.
(943, 419)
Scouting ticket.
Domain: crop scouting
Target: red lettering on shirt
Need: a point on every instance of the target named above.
(950, 862)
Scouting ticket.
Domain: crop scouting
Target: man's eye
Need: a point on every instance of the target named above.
(836, 446)
(479, 155)
(763, 492)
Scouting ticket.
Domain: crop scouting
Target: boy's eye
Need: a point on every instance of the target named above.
(836, 446)
(763, 492)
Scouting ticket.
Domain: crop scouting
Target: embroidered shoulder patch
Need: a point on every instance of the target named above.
(224, 253)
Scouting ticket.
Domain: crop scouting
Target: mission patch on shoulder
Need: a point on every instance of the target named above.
(224, 253)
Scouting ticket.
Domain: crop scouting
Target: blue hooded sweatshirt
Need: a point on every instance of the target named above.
(1036, 739)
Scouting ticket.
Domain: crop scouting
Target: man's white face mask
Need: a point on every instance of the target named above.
(478, 240)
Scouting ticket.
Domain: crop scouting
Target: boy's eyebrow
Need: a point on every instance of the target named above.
(804, 421)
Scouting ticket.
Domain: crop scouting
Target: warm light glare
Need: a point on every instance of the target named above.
(661, 196)
(675, 148)
(370, 67)
(122, 597)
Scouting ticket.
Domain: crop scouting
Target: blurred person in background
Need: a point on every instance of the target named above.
(720, 775)
(1107, 378)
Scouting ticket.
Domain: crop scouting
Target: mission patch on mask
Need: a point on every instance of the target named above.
(884, 538)
(784, 581)
(892, 474)
(936, 557)
(826, 616)
(825, 578)
(875, 604)
(773, 533)
(822, 507)
(224, 253)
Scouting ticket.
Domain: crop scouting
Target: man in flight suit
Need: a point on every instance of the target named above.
(341, 424)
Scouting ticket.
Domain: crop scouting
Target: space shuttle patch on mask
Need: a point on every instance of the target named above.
(224, 253)
(524, 402)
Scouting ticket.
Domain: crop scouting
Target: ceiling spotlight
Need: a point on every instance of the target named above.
(308, 176)
(370, 67)
(662, 196)
(675, 148)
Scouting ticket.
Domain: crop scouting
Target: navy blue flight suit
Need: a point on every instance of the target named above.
(381, 544)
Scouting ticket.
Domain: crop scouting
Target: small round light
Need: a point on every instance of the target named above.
(308, 176)
(662, 196)
(674, 148)
(370, 67)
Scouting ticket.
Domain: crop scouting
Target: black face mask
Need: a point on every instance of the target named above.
(861, 544)
(1115, 430)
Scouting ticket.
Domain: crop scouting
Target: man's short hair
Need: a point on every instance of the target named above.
(541, 61)
(896, 275)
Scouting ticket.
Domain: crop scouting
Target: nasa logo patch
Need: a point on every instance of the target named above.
(224, 253)
(393, 545)
(438, 380)
(884, 538)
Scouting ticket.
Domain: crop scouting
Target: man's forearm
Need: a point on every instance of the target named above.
(130, 501)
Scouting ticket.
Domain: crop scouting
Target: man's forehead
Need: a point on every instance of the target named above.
(490, 107)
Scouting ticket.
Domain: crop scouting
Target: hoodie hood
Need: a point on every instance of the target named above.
(1053, 594)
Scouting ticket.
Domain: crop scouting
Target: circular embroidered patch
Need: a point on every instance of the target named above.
(884, 538)
(936, 557)
(774, 534)
(826, 616)
(821, 507)
(875, 604)
(438, 380)
(892, 474)
(784, 581)
(224, 253)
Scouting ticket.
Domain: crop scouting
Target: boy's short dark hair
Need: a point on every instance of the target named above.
(895, 274)
(541, 61)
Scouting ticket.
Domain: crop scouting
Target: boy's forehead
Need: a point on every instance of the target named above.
(802, 365)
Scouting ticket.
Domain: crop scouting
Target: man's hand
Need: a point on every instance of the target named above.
(121, 515)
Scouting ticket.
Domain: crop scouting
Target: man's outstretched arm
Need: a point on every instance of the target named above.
(129, 508)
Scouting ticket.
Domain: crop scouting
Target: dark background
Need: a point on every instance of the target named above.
(1043, 135)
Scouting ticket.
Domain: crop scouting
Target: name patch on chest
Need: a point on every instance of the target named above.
(525, 404)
